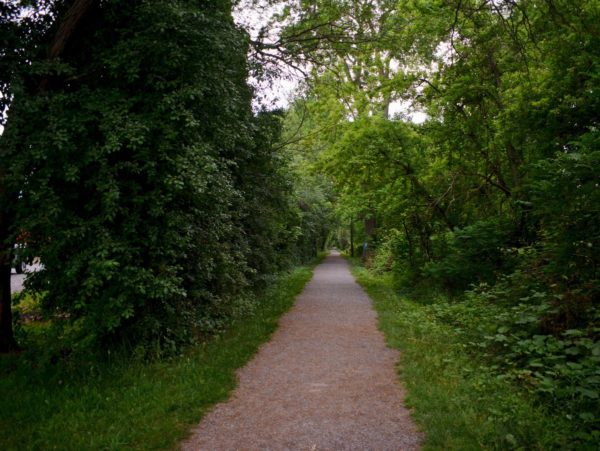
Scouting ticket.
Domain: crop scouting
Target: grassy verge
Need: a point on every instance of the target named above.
(458, 401)
(136, 405)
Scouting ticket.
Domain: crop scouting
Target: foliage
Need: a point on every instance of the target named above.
(570, 231)
(119, 402)
(155, 198)
(158, 201)
(475, 253)
(500, 114)
(512, 331)
(458, 397)
(493, 200)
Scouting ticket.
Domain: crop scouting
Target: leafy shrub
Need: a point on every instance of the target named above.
(475, 253)
(151, 192)
(507, 326)
(386, 256)
(565, 195)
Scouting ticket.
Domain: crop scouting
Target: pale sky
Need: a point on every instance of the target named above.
(279, 93)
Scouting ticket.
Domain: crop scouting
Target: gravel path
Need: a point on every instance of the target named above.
(325, 381)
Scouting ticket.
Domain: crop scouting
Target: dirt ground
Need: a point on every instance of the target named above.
(325, 381)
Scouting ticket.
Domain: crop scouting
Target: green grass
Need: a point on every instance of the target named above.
(134, 404)
(458, 401)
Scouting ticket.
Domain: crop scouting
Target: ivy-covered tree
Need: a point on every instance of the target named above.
(151, 193)
(23, 28)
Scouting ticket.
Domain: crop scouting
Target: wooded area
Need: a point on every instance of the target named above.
(489, 209)
(133, 165)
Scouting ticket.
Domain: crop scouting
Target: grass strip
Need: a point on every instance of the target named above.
(136, 405)
(458, 401)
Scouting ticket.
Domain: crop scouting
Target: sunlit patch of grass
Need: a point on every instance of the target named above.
(27, 307)
(129, 404)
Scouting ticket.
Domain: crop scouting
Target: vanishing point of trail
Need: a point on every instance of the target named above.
(325, 381)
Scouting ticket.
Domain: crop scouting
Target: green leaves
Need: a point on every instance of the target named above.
(149, 190)
(497, 193)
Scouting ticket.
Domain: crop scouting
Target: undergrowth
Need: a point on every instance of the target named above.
(461, 398)
(123, 403)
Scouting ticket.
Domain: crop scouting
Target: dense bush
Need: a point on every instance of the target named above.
(475, 253)
(566, 196)
(512, 328)
(150, 191)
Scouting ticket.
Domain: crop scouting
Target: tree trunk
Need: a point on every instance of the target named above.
(67, 27)
(7, 339)
(371, 225)
(515, 161)
(411, 258)
(351, 237)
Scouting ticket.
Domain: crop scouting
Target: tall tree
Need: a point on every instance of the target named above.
(144, 182)
(24, 27)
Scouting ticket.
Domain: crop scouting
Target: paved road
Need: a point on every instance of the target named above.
(325, 381)
(16, 280)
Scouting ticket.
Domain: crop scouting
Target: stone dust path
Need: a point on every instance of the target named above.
(325, 381)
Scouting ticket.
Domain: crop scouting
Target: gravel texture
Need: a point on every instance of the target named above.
(325, 381)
